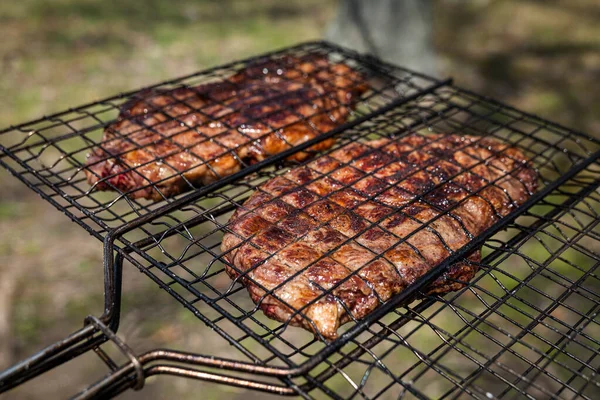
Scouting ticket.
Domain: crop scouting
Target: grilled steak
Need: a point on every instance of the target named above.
(329, 241)
(169, 140)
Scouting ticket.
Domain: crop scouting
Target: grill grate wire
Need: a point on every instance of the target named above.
(49, 154)
(527, 323)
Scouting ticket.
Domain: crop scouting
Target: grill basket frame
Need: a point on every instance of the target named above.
(427, 107)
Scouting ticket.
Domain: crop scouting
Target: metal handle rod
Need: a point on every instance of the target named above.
(42, 356)
(121, 381)
(78, 342)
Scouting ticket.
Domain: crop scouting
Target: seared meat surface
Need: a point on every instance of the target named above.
(172, 139)
(330, 241)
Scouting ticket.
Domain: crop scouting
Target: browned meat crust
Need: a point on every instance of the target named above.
(199, 134)
(332, 240)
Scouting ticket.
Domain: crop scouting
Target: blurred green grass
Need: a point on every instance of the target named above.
(62, 53)
(540, 56)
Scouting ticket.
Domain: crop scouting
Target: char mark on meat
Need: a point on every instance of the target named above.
(165, 141)
(330, 241)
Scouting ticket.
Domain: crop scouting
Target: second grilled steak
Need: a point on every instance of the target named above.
(331, 241)
(165, 141)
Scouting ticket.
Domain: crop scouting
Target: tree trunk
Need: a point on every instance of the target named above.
(398, 31)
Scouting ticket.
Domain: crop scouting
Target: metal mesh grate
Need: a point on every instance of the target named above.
(525, 326)
(511, 331)
(49, 154)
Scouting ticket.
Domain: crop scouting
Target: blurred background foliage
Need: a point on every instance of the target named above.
(541, 56)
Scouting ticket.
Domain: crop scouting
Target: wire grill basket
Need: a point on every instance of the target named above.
(525, 326)
(49, 154)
